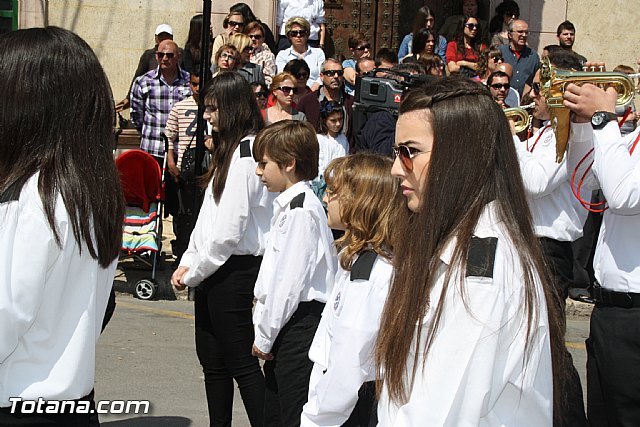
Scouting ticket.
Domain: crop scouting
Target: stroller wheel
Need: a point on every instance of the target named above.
(146, 289)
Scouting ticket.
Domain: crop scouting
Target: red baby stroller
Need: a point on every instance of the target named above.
(143, 184)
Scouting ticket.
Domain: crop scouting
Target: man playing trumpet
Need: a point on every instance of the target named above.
(613, 393)
(557, 215)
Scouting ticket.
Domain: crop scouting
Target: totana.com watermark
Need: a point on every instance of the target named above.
(42, 406)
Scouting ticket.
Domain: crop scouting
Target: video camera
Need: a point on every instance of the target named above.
(384, 93)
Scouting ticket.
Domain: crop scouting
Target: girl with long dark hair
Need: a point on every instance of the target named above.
(225, 252)
(61, 210)
(191, 55)
(471, 333)
(463, 53)
(425, 18)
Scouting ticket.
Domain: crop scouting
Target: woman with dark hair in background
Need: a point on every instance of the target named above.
(451, 25)
(192, 52)
(62, 209)
(261, 92)
(463, 53)
(225, 252)
(424, 43)
(424, 19)
(506, 12)
(249, 17)
(471, 333)
(433, 65)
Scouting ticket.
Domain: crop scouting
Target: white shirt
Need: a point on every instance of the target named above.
(342, 349)
(299, 264)
(235, 226)
(52, 302)
(330, 148)
(314, 57)
(617, 260)
(311, 10)
(556, 212)
(473, 374)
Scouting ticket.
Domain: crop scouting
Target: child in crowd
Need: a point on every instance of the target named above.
(364, 200)
(332, 142)
(298, 269)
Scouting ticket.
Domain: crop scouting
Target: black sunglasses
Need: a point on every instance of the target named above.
(236, 23)
(497, 59)
(498, 86)
(406, 155)
(161, 55)
(261, 94)
(302, 76)
(287, 89)
(255, 36)
(297, 33)
(332, 73)
(364, 47)
(471, 26)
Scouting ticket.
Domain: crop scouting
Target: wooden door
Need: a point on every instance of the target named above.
(377, 19)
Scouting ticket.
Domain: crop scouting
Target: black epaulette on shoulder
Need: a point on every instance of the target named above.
(297, 201)
(245, 148)
(481, 257)
(361, 269)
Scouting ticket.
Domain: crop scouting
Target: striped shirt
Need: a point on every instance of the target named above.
(151, 101)
(181, 127)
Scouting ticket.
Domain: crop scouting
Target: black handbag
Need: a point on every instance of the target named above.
(188, 165)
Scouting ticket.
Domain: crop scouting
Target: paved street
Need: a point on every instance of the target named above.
(147, 352)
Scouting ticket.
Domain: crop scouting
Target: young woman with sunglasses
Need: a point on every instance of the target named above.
(283, 88)
(261, 54)
(233, 24)
(225, 252)
(471, 332)
(462, 54)
(297, 29)
(247, 69)
(488, 60)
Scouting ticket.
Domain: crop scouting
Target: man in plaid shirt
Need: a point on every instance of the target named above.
(154, 94)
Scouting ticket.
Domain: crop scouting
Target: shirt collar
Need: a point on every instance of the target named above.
(287, 195)
(487, 226)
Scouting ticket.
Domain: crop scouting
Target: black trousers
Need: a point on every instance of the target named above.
(287, 375)
(224, 338)
(613, 361)
(559, 257)
(31, 419)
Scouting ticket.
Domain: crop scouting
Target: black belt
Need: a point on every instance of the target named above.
(615, 299)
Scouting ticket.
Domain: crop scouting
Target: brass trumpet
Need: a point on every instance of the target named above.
(520, 116)
(553, 83)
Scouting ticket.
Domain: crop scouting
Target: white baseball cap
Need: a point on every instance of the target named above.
(164, 28)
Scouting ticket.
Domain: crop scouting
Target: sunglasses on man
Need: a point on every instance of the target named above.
(332, 73)
(406, 155)
(498, 86)
(169, 55)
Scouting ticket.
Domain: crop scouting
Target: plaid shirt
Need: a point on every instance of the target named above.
(152, 99)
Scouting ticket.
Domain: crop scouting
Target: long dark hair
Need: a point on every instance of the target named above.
(470, 167)
(56, 119)
(238, 116)
(475, 42)
(420, 39)
(421, 16)
(194, 40)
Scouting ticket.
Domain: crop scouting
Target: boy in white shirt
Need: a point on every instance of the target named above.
(298, 269)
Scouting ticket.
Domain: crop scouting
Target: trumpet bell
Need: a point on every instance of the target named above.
(553, 83)
(520, 117)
